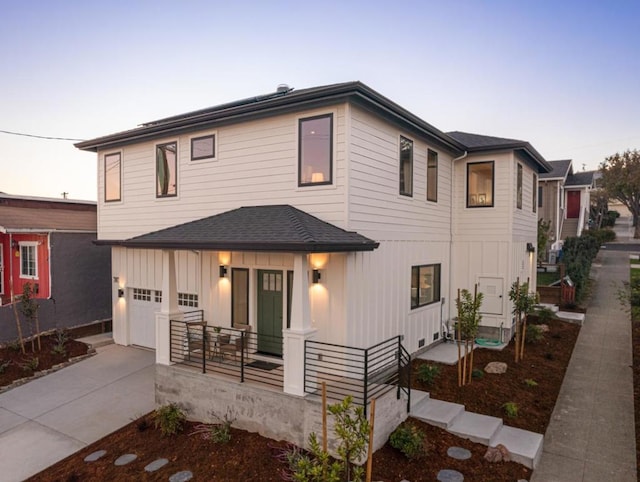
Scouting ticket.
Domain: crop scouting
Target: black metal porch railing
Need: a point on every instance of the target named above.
(241, 354)
(363, 373)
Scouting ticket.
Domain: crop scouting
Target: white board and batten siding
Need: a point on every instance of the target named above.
(256, 163)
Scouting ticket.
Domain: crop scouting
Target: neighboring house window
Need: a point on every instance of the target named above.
(112, 177)
(432, 176)
(167, 169)
(534, 193)
(480, 184)
(203, 147)
(315, 150)
(425, 285)
(188, 299)
(406, 166)
(519, 188)
(539, 196)
(28, 260)
(141, 294)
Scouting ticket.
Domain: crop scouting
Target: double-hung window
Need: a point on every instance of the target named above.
(432, 176)
(406, 166)
(480, 183)
(315, 150)
(425, 285)
(28, 260)
(167, 169)
(112, 177)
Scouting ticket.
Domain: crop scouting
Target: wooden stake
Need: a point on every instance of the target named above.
(324, 416)
(370, 452)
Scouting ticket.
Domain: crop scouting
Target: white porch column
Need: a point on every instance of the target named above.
(300, 329)
(168, 308)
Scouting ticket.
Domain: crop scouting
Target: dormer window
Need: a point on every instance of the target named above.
(315, 150)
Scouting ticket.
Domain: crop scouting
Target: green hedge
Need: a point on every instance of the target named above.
(577, 256)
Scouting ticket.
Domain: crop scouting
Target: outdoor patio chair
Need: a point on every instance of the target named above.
(238, 344)
(195, 340)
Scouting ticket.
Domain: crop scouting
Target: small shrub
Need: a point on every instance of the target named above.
(427, 373)
(61, 339)
(169, 419)
(409, 440)
(221, 433)
(30, 364)
(544, 315)
(4, 365)
(477, 373)
(511, 409)
(530, 382)
(534, 334)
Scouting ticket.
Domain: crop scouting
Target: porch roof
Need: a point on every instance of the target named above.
(280, 228)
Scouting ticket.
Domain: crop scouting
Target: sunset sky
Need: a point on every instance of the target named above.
(563, 75)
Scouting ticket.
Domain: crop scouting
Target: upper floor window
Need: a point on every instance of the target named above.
(480, 181)
(167, 169)
(315, 150)
(203, 147)
(534, 193)
(539, 194)
(432, 176)
(425, 285)
(28, 260)
(406, 166)
(112, 177)
(519, 187)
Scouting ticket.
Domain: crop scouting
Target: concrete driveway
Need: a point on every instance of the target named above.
(52, 417)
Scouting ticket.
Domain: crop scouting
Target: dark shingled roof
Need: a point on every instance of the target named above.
(560, 170)
(481, 143)
(584, 178)
(260, 228)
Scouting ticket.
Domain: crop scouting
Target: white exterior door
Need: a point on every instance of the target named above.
(492, 289)
(142, 317)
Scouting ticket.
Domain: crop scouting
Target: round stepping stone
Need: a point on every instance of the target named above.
(125, 459)
(458, 453)
(156, 464)
(448, 475)
(95, 456)
(181, 476)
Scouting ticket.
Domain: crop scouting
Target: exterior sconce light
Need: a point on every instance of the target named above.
(120, 293)
(531, 248)
(316, 276)
(223, 271)
(14, 244)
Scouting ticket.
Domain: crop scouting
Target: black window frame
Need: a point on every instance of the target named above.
(519, 185)
(540, 191)
(415, 281)
(432, 170)
(534, 198)
(202, 138)
(301, 121)
(493, 185)
(402, 189)
(119, 198)
(159, 146)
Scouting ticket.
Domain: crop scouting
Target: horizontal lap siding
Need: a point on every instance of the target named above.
(256, 164)
(525, 221)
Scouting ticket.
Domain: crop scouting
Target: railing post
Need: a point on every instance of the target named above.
(204, 350)
(304, 368)
(242, 341)
(366, 380)
(399, 355)
(170, 340)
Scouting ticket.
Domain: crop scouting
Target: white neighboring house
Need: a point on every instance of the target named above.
(329, 228)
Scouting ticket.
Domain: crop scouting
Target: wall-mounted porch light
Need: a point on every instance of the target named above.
(14, 244)
(120, 293)
(223, 271)
(316, 276)
(531, 248)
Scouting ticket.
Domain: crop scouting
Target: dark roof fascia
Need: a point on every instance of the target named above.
(294, 101)
(240, 246)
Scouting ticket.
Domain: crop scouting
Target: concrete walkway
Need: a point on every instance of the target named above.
(52, 417)
(591, 435)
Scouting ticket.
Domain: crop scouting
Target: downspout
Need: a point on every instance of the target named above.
(49, 265)
(11, 267)
(453, 169)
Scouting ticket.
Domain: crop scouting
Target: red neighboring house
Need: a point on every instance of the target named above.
(49, 243)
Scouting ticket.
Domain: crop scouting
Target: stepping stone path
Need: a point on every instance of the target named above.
(95, 456)
(181, 476)
(458, 453)
(448, 475)
(125, 459)
(156, 464)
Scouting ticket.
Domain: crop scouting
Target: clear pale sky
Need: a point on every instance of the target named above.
(563, 75)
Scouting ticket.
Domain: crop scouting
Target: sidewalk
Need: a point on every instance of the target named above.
(52, 417)
(591, 435)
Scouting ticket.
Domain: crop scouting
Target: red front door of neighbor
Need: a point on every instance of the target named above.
(573, 204)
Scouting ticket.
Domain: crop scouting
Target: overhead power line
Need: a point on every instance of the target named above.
(40, 137)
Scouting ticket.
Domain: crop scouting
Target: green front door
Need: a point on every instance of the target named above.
(270, 312)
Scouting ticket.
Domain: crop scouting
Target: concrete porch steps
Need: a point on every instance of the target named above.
(525, 447)
(96, 341)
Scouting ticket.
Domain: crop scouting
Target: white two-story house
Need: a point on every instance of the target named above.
(304, 236)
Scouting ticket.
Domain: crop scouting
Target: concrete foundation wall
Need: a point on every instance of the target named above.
(269, 412)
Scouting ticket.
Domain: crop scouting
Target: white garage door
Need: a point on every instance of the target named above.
(142, 316)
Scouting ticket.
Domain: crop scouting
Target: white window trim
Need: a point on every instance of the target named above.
(33, 244)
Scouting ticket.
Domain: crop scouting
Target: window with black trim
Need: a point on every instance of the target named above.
(167, 169)
(406, 166)
(539, 196)
(480, 183)
(519, 187)
(425, 285)
(203, 147)
(315, 150)
(534, 193)
(112, 177)
(432, 175)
